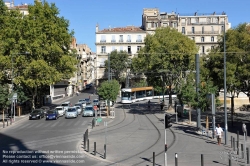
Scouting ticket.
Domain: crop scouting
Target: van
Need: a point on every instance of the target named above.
(66, 105)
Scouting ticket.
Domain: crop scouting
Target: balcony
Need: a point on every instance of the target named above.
(113, 41)
(121, 41)
(139, 40)
(102, 41)
(183, 24)
(128, 40)
(202, 32)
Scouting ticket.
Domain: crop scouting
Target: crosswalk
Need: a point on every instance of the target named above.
(36, 124)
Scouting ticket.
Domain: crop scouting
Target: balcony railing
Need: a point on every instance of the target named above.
(202, 32)
(121, 41)
(183, 24)
(103, 41)
(113, 41)
(139, 40)
(129, 41)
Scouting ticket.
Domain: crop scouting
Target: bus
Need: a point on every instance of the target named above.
(131, 95)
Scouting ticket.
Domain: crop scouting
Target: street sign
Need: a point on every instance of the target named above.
(14, 96)
(99, 119)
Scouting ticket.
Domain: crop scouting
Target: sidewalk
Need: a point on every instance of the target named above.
(124, 146)
(25, 117)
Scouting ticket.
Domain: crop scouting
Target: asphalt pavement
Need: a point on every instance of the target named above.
(137, 132)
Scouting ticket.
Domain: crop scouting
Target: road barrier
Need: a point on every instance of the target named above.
(88, 145)
(94, 148)
(105, 152)
(153, 158)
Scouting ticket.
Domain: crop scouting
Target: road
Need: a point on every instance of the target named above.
(44, 141)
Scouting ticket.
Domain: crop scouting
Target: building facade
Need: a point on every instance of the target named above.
(204, 29)
(129, 39)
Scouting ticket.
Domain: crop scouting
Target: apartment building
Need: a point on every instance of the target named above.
(204, 29)
(23, 7)
(129, 39)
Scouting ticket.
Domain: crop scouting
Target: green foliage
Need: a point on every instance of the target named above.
(237, 60)
(109, 90)
(119, 63)
(38, 43)
(141, 83)
(166, 54)
(4, 96)
(167, 51)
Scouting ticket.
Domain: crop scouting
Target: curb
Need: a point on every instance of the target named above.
(16, 122)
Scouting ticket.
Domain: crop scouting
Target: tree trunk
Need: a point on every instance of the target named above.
(3, 118)
(190, 115)
(170, 96)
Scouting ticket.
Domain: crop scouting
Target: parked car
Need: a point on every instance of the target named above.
(66, 105)
(88, 86)
(71, 113)
(52, 114)
(45, 109)
(36, 114)
(79, 109)
(60, 110)
(88, 111)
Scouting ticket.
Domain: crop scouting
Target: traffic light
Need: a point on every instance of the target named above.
(167, 121)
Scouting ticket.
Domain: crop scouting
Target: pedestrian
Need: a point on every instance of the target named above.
(149, 103)
(218, 131)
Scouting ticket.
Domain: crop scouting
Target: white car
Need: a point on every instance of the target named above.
(71, 113)
(83, 102)
(60, 110)
(79, 109)
(66, 105)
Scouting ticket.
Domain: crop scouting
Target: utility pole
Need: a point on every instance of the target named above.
(108, 80)
(225, 82)
(197, 64)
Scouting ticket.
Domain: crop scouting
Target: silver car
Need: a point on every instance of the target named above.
(71, 113)
(60, 110)
(79, 109)
(88, 111)
(83, 102)
(66, 105)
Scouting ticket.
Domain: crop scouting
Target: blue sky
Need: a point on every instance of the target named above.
(85, 14)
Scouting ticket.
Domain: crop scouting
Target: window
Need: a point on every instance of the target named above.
(156, 24)
(113, 48)
(113, 39)
(202, 31)
(121, 38)
(222, 28)
(139, 39)
(193, 38)
(212, 29)
(193, 30)
(129, 38)
(138, 48)
(183, 30)
(212, 47)
(165, 24)
(103, 49)
(121, 48)
(203, 49)
(149, 25)
(129, 49)
(212, 39)
(202, 39)
(103, 39)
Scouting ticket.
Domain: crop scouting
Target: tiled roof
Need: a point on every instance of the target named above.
(123, 29)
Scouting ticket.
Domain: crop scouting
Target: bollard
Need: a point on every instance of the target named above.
(246, 135)
(153, 158)
(242, 150)
(84, 141)
(233, 144)
(202, 160)
(7, 122)
(87, 134)
(176, 159)
(94, 148)
(93, 123)
(229, 160)
(10, 121)
(231, 141)
(88, 145)
(247, 155)
(238, 142)
(104, 156)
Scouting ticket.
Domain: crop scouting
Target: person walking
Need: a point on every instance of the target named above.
(149, 104)
(218, 131)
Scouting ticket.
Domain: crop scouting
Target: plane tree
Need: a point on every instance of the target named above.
(38, 47)
(167, 54)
